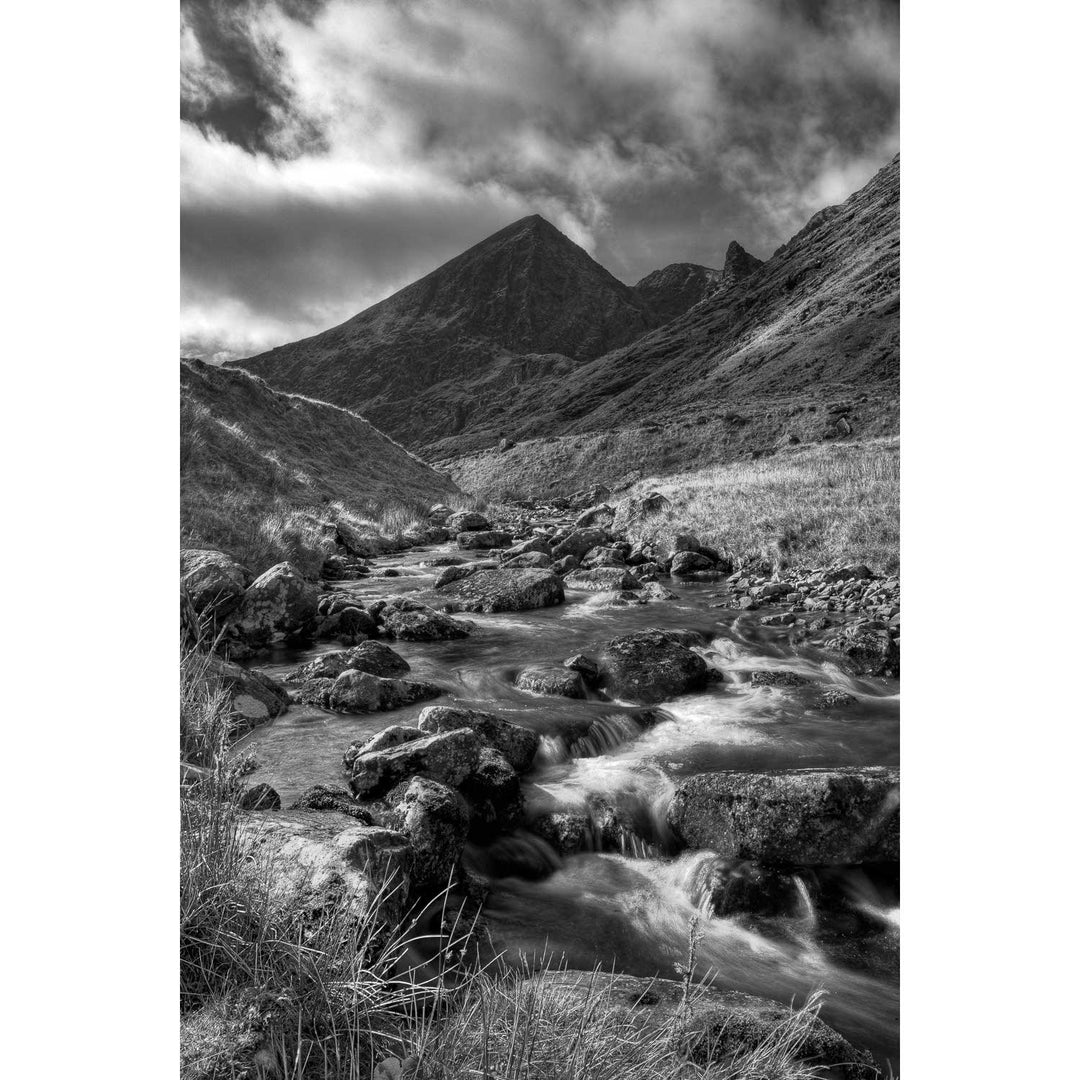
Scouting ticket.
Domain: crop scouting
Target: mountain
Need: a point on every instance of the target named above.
(808, 336)
(526, 336)
(673, 290)
(524, 303)
(255, 462)
(738, 264)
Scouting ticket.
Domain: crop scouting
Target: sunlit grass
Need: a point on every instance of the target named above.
(833, 503)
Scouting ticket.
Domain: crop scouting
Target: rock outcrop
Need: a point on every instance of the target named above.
(797, 816)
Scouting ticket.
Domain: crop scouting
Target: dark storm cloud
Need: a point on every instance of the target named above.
(337, 150)
(238, 84)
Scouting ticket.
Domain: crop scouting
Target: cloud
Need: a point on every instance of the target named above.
(333, 151)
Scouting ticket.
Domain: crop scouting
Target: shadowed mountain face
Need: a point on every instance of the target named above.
(820, 320)
(526, 335)
(676, 288)
(524, 303)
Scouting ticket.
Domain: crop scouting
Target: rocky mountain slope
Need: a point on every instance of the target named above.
(806, 347)
(248, 453)
(526, 305)
(525, 338)
(675, 289)
(822, 314)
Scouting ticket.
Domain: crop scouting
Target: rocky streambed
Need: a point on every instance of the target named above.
(606, 747)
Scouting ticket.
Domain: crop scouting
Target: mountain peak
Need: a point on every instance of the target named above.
(738, 264)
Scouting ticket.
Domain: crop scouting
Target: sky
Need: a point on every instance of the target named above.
(332, 151)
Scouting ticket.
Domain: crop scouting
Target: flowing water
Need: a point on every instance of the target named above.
(632, 903)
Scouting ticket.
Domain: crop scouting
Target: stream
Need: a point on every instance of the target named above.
(633, 908)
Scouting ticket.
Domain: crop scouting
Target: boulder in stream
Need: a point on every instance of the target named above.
(358, 692)
(650, 666)
(484, 541)
(518, 744)
(866, 651)
(554, 681)
(448, 757)
(411, 621)
(602, 579)
(493, 792)
(529, 560)
(467, 521)
(435, 819)
(371, 656)
(804, 817)
(579, 542)
(504, 590)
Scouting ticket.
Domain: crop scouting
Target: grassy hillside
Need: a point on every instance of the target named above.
(261, 472)
(812, 506)
(556, 465)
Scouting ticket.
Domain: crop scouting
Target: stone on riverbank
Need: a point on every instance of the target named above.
(259, 797)
(685, 563)
(278, 605)
(253, 697)
(215, 583)
(504, 590)
(319, 797)
(798, 816)
(534, 546)
(650, 666)
(317, 865)
(349, 624)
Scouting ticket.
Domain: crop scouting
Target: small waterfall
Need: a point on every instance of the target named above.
(807, 911)
(602, 735)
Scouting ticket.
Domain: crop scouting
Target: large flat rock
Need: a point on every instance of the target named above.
(504, 590)
(797, 816)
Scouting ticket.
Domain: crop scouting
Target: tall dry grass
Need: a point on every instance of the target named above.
(813, 506)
